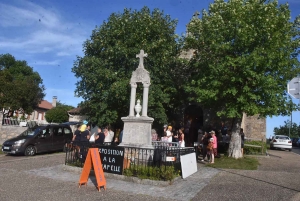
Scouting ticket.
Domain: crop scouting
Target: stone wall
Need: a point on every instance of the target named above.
(254, 127)
(7, 132)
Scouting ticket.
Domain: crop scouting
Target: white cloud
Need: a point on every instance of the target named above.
(39, 31)
(47, 63)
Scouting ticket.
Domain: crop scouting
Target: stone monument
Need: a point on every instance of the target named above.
(137, 128)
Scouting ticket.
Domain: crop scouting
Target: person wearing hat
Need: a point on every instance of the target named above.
(169, 133)
(210, 150)
(85, 133)
(215, 142)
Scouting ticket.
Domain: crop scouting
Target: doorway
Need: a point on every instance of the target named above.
(193, 120)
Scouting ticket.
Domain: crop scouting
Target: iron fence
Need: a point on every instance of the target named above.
(134, 159)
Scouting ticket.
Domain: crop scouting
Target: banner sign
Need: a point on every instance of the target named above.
(112, 159)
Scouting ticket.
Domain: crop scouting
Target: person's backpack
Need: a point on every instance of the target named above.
(210, 146)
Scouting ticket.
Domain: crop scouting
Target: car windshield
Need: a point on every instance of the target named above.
(31, 132)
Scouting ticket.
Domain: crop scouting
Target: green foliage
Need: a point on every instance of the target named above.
(287, 128)
(165, 173)
(21, 87)
(110, 58)
(245, 53)
(254, 150)
(58, 114)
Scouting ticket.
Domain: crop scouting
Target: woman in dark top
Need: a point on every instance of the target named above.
(205, 140)
(99, 139)
(76, 136)
(175, 136)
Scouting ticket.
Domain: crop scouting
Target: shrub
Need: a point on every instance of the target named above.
(255, 150)
(165, 173)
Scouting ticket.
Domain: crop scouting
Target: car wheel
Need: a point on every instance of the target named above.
(290, 149)
(30, 151)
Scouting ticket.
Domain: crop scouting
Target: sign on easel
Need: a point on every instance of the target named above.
(93, 158)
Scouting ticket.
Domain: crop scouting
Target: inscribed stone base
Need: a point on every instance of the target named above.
(137, 132)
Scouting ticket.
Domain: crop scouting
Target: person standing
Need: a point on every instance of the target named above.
(204, 148)
(169, 133)
(242, 140)
(200, 142)
(76, 136)
(121, 136)
(111, 134)
(176, 136)
(106, 134)
(210, 152)
(181, 138)
(154, 135)
(215, 143)
(99, 139)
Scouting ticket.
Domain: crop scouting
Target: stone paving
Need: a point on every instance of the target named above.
(43, 177)
(181, 189)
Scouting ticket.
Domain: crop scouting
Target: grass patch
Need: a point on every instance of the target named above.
(246, 163)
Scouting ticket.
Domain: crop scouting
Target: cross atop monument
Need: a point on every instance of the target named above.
(141, 56)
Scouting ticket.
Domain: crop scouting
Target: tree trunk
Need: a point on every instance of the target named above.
(234, 150)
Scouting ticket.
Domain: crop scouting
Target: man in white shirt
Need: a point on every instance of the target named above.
(110, 134)
(169, 133)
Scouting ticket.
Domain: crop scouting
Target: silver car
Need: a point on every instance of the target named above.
(281, 142)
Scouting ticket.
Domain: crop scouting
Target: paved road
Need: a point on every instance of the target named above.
(44, 177)
(296, 150)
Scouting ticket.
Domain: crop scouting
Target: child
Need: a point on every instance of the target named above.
(210, 151)
(164, 138)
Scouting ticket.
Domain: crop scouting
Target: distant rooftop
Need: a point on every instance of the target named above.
(45, 105)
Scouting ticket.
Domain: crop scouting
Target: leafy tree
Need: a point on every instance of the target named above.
(245, 52)
(287, 128)
(21, 87)
(58, 114)
(110, 58)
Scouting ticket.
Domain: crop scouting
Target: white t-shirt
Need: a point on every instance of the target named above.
(169, 134)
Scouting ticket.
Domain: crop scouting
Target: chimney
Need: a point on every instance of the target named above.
(54, 101)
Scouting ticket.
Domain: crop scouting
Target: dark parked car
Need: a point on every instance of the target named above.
(39, 139)
(294, 141)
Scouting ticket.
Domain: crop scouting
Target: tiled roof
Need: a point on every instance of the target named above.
(75, 111)
(45, 104)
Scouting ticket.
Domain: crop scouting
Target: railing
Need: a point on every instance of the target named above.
(137, 160)
(165, 144)
(261, 145)
(8, 121)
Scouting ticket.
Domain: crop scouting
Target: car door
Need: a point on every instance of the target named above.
(58, 138)
(43, 141)
(68, 134)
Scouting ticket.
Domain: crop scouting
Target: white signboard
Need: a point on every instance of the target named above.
(293, 87)
(188, 164)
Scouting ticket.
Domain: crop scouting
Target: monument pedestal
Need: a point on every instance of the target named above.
(137, 132)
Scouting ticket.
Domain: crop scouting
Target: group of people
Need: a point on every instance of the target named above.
(84, 133)
(208, 144)
(170, 135)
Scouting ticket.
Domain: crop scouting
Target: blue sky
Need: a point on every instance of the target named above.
(49, 34)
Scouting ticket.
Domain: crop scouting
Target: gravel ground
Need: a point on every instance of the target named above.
(45, 178)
